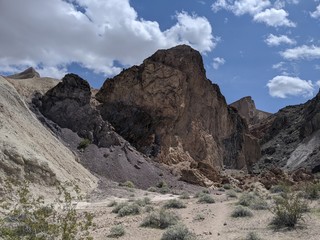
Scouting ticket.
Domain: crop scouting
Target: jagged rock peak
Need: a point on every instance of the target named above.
(247, 109)
(169, 110)
(71, 87)
(28, 73)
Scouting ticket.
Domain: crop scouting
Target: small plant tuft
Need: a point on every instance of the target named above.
(232, 194)
(178, 232)
(241, 211)
(160, 220)
(184, 195)
(199, 217)
(116, 231)
(174, 203)
(127, 184)
(130, 209)
(206, 198)
(84, 143)
(252, 236)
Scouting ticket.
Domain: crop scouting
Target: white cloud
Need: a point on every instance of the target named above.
(273, 40)
(217, 62)
(259, 9)
(302, 52)
(279, 66)
(285, 86)
(241, 7)
(274, 17)
(293, 1)
(316, 13)
(318, 83)
(53, 34)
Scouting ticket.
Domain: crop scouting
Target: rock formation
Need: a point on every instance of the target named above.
(69, 106)
(170, 111)
(28, 73)
(28, 151)
(291, 138)
(247, 109)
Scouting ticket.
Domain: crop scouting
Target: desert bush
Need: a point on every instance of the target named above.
(280, 188)
(112, 204)
(259, 204)
(184, 195)
(27, 217)
(312, 191)
(199, 217)
(232, 194)
(178, 232)
(149, 209)
(152, 189)
(252, 236)
(247, 199)
(174, 203)
(130, 209)
(206, 198)
(161, 220)
(118, 206)
(143, 202)
(288, 210)
(127, 184)
(241, 211)
(227, 186)
(116, 231)
(84, 143)
(201, 193)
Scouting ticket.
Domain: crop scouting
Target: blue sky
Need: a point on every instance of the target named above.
(267, 49)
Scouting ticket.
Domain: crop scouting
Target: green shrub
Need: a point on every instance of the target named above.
(206, 198)
(130, 209)
(312, 191)
(160, 220)
(143, 202)
(162, 184)
(149, 209)
(84, 143)
(232, 194)
(241, 211)
(247, 199)
(116, 231)
(252, 236)
(199, 217)
(117, 207)
(112, 204)
(280, 188)
(203, 192)
(288, 210)
(174, 203)
(259, 204)
(184, 195)
(178, 232)
(152, 189)
(127, 184)
(227, 186)
(27, 217)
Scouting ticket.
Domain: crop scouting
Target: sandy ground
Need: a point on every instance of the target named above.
(218, 223)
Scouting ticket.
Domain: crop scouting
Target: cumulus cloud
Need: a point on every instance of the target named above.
(316, 13)
(261, 11)
(273, 40)
(50, 35)
(217, 62)
(281, 66)
(285, 86)
(241, 7)
(274, 17)
(302, 52)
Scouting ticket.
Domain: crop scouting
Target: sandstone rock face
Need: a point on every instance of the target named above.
(291, 138)
(169, 110)
(247, 109)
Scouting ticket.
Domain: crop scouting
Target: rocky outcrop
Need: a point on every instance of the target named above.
(28, 73)
(170, 111)
(28, 151)
(247, 109)
(291, 138)
(69, 106)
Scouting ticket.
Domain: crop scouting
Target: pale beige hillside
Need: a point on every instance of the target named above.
(28, 150)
